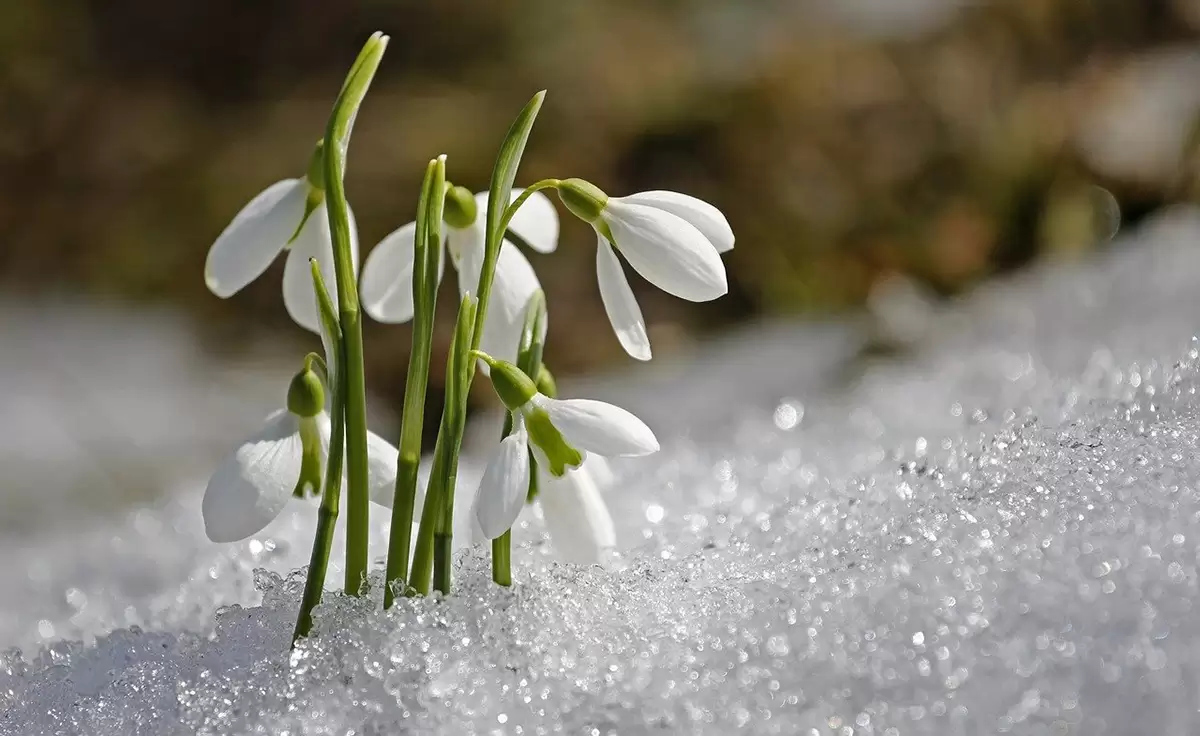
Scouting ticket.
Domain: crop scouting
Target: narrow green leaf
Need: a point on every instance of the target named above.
(507, 161)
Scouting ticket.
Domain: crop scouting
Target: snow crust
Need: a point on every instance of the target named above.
(993, 532)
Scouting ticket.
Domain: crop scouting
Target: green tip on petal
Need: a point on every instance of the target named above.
(310, 459)
(513, 387)
(306, 395)
(584, 199)
(560, 455)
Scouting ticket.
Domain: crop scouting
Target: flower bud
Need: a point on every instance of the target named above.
(513, 387)
(306, 395)
(584, 199)
(460, 208)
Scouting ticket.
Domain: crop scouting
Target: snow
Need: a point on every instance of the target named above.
(993, 532)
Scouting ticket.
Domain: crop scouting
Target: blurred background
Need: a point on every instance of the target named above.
(862, 149)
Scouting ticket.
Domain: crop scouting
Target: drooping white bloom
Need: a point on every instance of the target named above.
(673, 240)
(252, 484)
(386, 289)
(560, 432)
(577, 519)
(263, 228)
(288, 454)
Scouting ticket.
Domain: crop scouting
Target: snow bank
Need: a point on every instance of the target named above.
(996, 533)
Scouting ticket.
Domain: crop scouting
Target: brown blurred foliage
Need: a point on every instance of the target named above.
(842, 150)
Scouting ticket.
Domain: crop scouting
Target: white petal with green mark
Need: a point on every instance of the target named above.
(253, 484)
(595, 426)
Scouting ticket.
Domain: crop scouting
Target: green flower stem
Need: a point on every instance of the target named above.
(438, 514)
(421, 576)
(538, 186)
(529, 360)
(337, 139)
(456, 383)
(502, 559)
(327, 515)
(430, 545)
(427, 253)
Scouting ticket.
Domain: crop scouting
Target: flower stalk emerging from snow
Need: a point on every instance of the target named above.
(318, 565)
(529, 360)
(432, 554)
(337, 139)
(423, 273)
(671, 239)
(558, 431)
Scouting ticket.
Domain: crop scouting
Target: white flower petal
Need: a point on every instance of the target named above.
(600, 470)
(386, 289)
(536, 221)
(700, 214)
(667, 251)
(620, 304)
(255, 237)
(254, 483)
(313, 242)
(513, 286)
(577, 518)
(505, 485)
(381, 471)
(465, 247)
(598, 427)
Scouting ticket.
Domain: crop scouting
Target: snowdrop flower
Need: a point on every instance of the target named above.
(288, 215)
(673, 240)
(284, 458)
(559, 431)
(386, 288)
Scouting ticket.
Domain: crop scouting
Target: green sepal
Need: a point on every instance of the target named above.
(461, 209)
(559, 454)
(315, 180)
(310, 459)
(584, 199)
(514, 388)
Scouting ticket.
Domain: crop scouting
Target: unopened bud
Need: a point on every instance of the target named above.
(513, 387)
(584, 199)
(460, 208)
(306, 395)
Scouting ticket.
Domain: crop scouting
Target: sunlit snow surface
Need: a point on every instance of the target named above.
(995, 534)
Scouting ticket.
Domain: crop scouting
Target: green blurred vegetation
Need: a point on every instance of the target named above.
(133, 130)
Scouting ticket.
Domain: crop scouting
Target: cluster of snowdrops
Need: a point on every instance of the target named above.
(552, 449)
